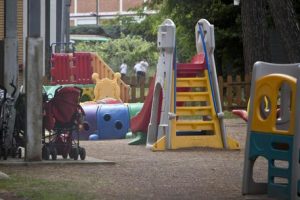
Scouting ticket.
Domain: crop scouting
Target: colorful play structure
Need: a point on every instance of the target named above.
(182, 109)
(76, 69)
(102, 89)
(272, 130)
(107, 117)
(185, 110)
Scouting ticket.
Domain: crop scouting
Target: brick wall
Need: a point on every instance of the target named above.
(109, 5)
(87, 6)
(127, 4)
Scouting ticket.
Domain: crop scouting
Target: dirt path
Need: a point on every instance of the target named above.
(142, 174)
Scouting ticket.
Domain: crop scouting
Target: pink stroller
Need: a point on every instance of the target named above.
(63, 117)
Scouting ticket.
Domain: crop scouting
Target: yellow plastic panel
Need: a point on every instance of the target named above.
(213, 141)
(160, 145)
(193, 110)
(192, 96)
(191, 82)
(268, 86)
(194, 125)
(106, 88)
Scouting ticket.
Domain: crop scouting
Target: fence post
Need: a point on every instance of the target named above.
(238, 90)
(221, 86)
(229, 91)
(247, 87)
(142, 89)
(133, 89)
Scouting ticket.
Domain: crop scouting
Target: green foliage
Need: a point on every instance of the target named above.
(228, 32)
(147, 28)
(185, 14)
(143, 25)
(113, 31)
(87, 30)
(129, 49)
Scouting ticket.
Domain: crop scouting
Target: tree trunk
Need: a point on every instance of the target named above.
(286, 24)
(255, 34)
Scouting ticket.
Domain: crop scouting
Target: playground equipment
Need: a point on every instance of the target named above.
(90, 121)
(139, 123)
(112, 122)
(106, 88)
(134, 108)
(77, 68)
(107, 117)
(108, 121)
(191, 113)
(273, 131)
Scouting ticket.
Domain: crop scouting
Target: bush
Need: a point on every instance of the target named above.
(88, 30)
(129, 49)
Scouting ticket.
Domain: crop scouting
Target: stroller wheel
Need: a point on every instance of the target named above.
(54, 153)
(71, 154)
(19, 153)
(45, 153)
(65, 154)
(75, 153)
(14, 152)
(4, 153)
(82, 153)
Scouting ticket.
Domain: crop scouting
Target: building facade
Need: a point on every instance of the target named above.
(85, 11)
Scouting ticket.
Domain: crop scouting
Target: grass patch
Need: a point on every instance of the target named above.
(41, 189)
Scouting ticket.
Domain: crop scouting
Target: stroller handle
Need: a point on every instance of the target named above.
(80, 89)
(57, 89)
(60, 87)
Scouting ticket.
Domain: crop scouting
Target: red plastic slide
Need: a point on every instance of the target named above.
(140, 122)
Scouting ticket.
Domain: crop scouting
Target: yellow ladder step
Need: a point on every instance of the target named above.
(194, 125)
(191, 82)
(192, 96)
(193, 110)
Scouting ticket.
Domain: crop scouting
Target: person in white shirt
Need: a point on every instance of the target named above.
(144, 65)
(141, 69)
(123, 70)
(138, 71)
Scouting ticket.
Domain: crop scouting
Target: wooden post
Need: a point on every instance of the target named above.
(133, 88)
(229, 91)
(220, 79)
(247, 87)
(142, 89)
(238, 92)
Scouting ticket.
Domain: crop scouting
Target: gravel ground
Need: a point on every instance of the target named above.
(201, 173)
